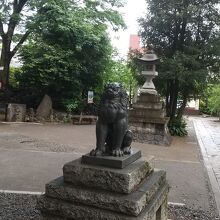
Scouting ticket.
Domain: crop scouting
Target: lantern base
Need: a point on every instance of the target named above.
(148, 91)
(147, 120)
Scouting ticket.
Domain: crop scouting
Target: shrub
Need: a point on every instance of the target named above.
(204, 108)
(177, 127)
(73, 106)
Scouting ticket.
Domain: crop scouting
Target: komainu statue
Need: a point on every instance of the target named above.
(112, 134)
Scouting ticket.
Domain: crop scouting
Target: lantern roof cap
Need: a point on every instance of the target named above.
(150, 56)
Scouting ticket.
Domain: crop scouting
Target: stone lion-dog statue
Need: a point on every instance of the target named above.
(112, 134)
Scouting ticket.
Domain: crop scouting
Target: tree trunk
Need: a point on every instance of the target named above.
(130, 93)
(175, 89)
(7, 54)
(182, 108)
(171, 91)
(168, 99)
(5, 61)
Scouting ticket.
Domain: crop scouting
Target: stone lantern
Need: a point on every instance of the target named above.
(147, 118)
(148, 61)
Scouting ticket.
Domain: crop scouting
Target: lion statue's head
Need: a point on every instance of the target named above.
(112, 90)
(115, 93)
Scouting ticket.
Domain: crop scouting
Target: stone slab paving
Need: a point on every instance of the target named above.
(208, 134)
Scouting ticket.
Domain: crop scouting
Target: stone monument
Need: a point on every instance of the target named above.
(45, 108)
(147, 117)
(16, 112)
(112, 182)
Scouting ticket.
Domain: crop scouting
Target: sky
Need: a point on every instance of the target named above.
(131, 12)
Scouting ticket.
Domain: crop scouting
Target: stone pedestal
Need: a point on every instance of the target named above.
(136, 192)
(16, 112)
(147, 120)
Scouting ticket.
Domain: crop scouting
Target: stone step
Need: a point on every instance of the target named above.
(148, 98)
(157, 129)
(147, 113)
(129, 204)
(148, 105)
(55, 208)
(116, 180)
(156, 139)
(141, 121)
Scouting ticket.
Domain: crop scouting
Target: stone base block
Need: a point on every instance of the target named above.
(51, 208)
(151, 133)
(148, 98)
(110, 161)
(87, 192)
(148, 122)
(116, 180)
(129, 204)
(146, 137)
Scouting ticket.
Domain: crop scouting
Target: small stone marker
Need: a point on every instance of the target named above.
(16, 112)
(45, 108)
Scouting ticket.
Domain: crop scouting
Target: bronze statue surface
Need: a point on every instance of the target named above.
(112, 134)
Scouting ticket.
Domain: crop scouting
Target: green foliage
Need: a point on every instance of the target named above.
(177, 127)
(66, 119)
(214, 99)
(135, 66)
(73, 106)
(119, 71)
(204, 107)
(12, 79)
(209, 102)
(69, 52)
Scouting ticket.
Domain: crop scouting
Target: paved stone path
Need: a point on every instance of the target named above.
(208, 134)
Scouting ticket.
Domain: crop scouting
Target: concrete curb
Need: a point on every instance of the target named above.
(21, 192)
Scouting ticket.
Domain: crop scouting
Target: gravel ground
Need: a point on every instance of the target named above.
(9, 140)
(18, 207)
(23, 207)
(185, 213)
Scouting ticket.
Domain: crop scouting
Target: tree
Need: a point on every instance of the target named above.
(13, 28)
(119, 71)
(184, 34)
(16, 24)
(68, 53)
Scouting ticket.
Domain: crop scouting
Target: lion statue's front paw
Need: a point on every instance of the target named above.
(117, 153)
(127, 150)
(96, 152)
